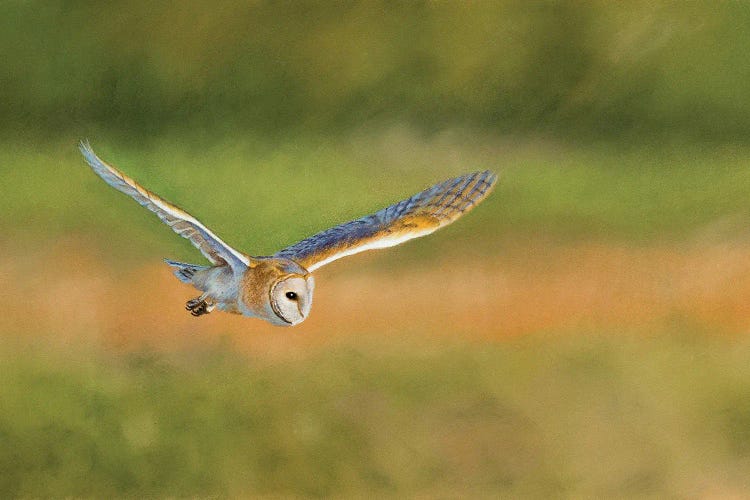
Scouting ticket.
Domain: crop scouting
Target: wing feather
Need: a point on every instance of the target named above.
(420, 215)
(181, 222)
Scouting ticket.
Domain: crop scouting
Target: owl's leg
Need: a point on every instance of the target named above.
(200, 305)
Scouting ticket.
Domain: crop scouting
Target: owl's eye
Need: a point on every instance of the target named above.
(291, 295)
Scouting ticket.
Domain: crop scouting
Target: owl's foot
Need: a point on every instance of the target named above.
(199, 306)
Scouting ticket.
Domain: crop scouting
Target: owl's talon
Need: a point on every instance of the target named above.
(199, 306)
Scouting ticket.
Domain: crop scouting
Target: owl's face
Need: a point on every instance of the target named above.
(291, 299)
(277, 290)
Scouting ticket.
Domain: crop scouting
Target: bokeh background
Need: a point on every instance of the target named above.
(582, 333)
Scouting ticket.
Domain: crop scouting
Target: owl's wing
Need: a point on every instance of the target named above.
(180, 221)
(417, 216)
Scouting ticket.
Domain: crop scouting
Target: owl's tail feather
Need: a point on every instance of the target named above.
(185, 272)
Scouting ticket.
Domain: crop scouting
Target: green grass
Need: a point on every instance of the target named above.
(261, 194)
(592, 416)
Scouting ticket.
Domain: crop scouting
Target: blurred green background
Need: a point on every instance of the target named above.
(591, 336)
(567, 68)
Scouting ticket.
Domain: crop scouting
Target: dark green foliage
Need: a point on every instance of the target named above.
(615, 70)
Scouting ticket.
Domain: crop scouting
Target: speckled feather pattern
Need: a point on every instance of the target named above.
(413, 217)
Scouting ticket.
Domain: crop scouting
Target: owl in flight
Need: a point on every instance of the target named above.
(279, 288)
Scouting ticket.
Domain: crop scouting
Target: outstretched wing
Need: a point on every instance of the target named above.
(417, 216)
(180, 221)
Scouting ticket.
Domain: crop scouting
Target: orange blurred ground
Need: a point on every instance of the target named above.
(67, 292)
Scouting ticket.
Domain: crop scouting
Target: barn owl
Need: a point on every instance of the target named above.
(279, 288)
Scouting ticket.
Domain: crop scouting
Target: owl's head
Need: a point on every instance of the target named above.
(279, 291)
(291, 298)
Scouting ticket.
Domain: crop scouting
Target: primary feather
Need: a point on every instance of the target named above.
(181, 222)
(420, 215)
